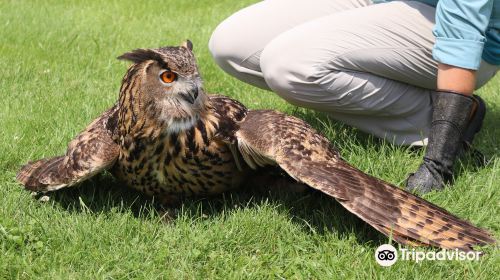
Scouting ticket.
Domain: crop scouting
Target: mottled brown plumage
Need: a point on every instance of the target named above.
(168, 139)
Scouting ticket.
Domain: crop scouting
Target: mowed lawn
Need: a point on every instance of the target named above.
(58, 71)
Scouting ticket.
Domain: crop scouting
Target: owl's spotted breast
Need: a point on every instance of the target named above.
(186, 163)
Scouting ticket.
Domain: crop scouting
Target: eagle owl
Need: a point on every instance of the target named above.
(168, 138)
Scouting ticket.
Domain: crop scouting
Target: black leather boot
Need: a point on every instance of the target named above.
(451, 125)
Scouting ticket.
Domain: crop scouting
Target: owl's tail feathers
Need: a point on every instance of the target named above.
(44, 175)
(394, 212)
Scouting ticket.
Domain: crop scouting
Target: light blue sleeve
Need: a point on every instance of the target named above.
(460, 31)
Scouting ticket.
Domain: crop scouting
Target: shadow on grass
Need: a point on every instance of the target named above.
(312, 210)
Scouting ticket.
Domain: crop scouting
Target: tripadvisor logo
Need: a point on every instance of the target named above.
(387, 255)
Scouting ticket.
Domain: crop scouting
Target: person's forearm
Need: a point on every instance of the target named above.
(456, 79)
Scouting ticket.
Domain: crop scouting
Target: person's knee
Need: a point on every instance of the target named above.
(221, 44)
(235, 41)
(237, 53)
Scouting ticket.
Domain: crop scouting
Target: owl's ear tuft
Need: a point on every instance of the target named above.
(187, 44)
(140, 55)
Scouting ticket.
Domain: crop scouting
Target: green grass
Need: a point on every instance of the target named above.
(58, 71)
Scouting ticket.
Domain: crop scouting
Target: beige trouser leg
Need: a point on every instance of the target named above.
(367, 65)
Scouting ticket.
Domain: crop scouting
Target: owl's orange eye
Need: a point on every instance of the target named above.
(168, 76)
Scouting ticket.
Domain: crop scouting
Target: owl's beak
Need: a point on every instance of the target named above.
(191, 95)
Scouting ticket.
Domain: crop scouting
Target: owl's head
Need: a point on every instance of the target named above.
(164, 84)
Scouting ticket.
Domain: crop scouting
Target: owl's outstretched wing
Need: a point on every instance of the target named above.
(89, 153)
(266, 137)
